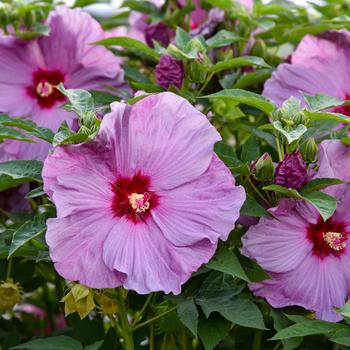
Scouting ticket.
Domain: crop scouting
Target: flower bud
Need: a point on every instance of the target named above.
(10, 295)
(309, 150)
(79, 299)
(169, 71)
(106, 305)
(264, 168)
(158, 32)
(291, 172)
(197, 72)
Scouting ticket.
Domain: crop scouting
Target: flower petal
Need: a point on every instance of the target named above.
(149, 261)
(182, 214)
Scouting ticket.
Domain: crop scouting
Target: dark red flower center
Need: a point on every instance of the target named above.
(345, 109)
(43, 87)
(328, 238)
(132, 197)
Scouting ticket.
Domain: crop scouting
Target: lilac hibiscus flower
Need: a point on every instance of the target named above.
(30, 70)
(319, 64)
(307, 258)
(145, 203)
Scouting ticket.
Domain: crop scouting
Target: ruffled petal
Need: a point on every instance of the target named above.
(315, 284)
(149, 261)
(76, 244)
(164, 136)
(279, 244)
(183, 216)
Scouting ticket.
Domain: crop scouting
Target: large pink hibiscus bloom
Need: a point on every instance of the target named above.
(29, 71)
(145, 203)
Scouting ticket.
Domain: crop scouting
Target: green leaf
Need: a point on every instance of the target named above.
(188, 314)
(28, 231)
(252, 208)
(15, 172)
(292, 135)
(68, 137)
(81, 101)
(13, 134)
(182, 38)
(324, 203)
(226, 261)
(291, 106)
(250, 149)
(321, 102)
(280, 321)
(237, 310)
(318, 184)
(37, 192)
(26, 124)
(182, 55)
(341, 337)
(61, 342)
(245, 97)
(212, 330)
(287, 192)
(341, 118)
(129, 43)
(239, 62)
(94, 346)
(303, 329)
(223, 38)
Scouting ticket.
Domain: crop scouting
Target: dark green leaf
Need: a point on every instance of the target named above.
(252, 208)
(223, 38)
(94, 346)
(226, 261)
(324, 203)
(341, 337)
(212, 330)
(341, 118)
(129, 43)
(318, 184)
(188, 314)
(287, 192)
(37, 192)
(239, 62)
(245, 97)
(61, 342)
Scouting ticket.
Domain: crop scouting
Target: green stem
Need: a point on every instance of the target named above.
(277, 345)
(207, 81)
(151, 337)
(9, 267)
(255, 189)
(279, 149)
(257, 340)
(144, 307)
(124, 322)
(154, 318)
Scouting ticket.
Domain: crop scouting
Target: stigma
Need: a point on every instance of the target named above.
(335, 240)
(139, 202)
(44, 89)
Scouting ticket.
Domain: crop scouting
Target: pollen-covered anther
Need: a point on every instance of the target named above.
(139, 202)
(44, 89)
(335, 240)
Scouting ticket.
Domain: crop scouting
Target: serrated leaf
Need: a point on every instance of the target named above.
(61, 342)
(292, 135)
(245, 97)
(319, 101)
(188, 314)
(226, 261)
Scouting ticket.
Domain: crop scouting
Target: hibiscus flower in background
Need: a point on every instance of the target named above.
(145, 203)
(307, 258)
(30, 70)
(319, 64)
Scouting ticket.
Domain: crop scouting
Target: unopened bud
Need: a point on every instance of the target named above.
(291, 172)
(106, 305)
(309, 150)
(264, 168)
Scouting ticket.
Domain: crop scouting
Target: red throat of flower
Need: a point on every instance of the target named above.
(43, 88)
(345, 109)
(132, 198)
(328, 238)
